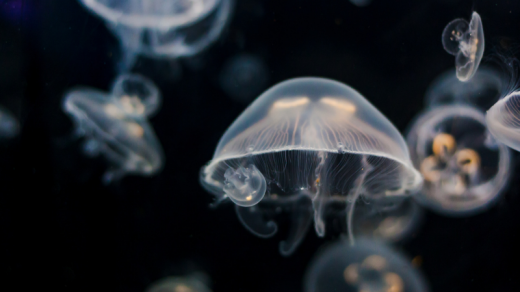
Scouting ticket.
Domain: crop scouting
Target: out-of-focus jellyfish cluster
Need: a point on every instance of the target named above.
(115, 125)
(462, 172)
(9, 125)
(366, 266)
(466, 42)
(179, 284)
(302, 145)
(162, 28)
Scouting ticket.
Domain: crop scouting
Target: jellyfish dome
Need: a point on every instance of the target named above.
(366, 266)
(163, 28)
(115, 125)
(503, 120)
(463, 172)
(482, 91)
(466, 42)
(304, 143)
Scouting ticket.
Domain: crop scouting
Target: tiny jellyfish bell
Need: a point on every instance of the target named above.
(179, 284)
(115, 125)
(162, 28)
(366, 266)
(482, 91)
(463, 174)
(302, 144)
(503, 120)
(9, 125)
(466, 42)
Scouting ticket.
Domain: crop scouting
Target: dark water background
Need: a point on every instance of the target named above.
(62, 230)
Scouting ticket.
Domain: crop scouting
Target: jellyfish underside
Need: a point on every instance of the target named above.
(463, 173)
(115, 125)
(465, 41)
(179, 284)
(305, 188)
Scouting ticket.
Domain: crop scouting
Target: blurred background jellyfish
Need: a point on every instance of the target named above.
(482, 91)
(503, 120)
(9, 125)
(162, 28)
(466, 42)
(244, 77)
(367, 266)
(115, 125)
(301, 145)
(360, 3)
(179, 284)
(462, 174)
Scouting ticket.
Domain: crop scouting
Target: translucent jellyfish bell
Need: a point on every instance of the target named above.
(302, 144)
(179, 284)
(9, 125)
(466, 42)
(367, 266)
(115, 125)
(163, 28)
(503, 120)
(463, 174)
(483, 90)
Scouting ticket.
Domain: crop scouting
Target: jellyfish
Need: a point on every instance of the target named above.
(360, 3)
(503, 120)
(115, 125)
(482, 91)
(367, 266)
(243, 77)
(9, 125)
(302, 145)
(179, 284)
(162, 28)
(463, 174)
(466, 42)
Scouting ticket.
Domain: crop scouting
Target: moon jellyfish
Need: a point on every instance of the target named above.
(367, 266)
(9, 126)
(503, 120)
(179, 284)
(466, 42)
(483, 90)
(463, 175)
(115, 125)
(243, 77)
(162, 28)
(301, 145)
(360, 3)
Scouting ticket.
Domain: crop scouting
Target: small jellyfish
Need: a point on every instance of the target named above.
(179, 284)
(162, 28)
(367, 266)
(360, 3)
(243, 77)
(301, 145)
(115, 125)
(483, 90)
(466, 42)
(462, 174)
(9, 125)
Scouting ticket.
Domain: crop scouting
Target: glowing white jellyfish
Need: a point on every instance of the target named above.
(462, 173)
(466, 42)
(483, 90)
(367, 266)
(503, 120)
(115, 125)
(301, 145)
(163, 28)
(179, 284)
(9, 125)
